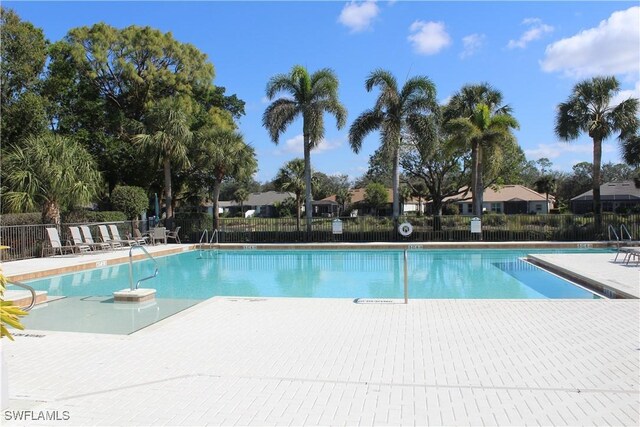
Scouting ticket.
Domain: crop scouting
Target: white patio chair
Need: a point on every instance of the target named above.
(159, 233)
(88, 239)
(55, 244)
(106, 238)
(77, 240)
(116, 236)
(174, 235)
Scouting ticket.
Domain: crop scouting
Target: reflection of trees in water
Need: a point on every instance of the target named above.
(464, 275)
(300, 276)
(366, 261)
(218, 280)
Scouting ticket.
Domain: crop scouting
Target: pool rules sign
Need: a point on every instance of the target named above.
(476, 225)
(336, 226)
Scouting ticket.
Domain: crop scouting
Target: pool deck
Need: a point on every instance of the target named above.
(298, 361)
(34, 268)
(289, 361)
(598, 271)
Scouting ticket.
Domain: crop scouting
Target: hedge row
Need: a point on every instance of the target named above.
(35, 218)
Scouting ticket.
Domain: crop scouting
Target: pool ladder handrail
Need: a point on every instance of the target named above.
(624, 230)
(30, 289)
(611, 229)
(214, 234)
(205, 237)
(155, 273)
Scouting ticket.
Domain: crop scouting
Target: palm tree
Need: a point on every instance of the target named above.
(476, 118)
(546, 185)
(589, 110)
(392, 115)
(631, 149)
(291, 177)
(311, 96)
(49, 172)
(221, 154)
(241, 195)
(166, 141)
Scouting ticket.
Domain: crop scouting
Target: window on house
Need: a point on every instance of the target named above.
(469, 207)
(496, 207)
(538, 207)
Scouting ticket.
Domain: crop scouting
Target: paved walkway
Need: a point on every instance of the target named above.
(37, 267)
(248, 361)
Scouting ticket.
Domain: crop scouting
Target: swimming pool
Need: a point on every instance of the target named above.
(190, 277)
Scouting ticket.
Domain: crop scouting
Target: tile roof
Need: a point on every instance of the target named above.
(622, 190)
(505, 193)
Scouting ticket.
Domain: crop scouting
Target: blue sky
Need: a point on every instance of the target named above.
(534, 52)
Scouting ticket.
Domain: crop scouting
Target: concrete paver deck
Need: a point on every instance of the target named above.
(596, 270)
(37, 267)
(295, 361)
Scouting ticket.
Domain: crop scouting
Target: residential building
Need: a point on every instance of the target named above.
(263, 204)
(615, 197)
(506, 199)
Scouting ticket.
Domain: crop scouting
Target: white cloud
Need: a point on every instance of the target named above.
(295, 145)
(445, 101)
(428, 38)
(264, 100)
(556, 150)
(613, 47)
(536, 30)
(359, 16)
(472, 43)
(623, 95)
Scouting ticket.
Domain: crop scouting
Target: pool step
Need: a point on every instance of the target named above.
(23, 298)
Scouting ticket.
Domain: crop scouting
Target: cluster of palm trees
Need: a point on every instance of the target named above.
(475, 117)
(211, 154)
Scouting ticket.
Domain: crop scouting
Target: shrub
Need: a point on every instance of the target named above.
(79, 216)
(130, 199)
(494, 220)
(450, 209)
(21, 218)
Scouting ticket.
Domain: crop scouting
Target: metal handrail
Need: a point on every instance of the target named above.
(155, 273)
(204, 233)
(215, 234)
(623, 230)
(30, 289)
(610, 230)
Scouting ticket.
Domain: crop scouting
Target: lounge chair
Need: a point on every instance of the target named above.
(57, 246)
(106, 238)
(139, 237)
(159, 233)
(174, 235)
(77, 240)
(629, 253)
(88, 239)
(116, 236)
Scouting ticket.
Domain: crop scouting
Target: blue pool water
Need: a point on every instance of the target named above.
(327, 274)
(86, 303)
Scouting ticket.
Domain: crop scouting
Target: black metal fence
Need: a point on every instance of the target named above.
(495, 228)
(27, 241)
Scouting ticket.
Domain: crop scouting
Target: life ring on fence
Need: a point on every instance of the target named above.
(405, 229)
